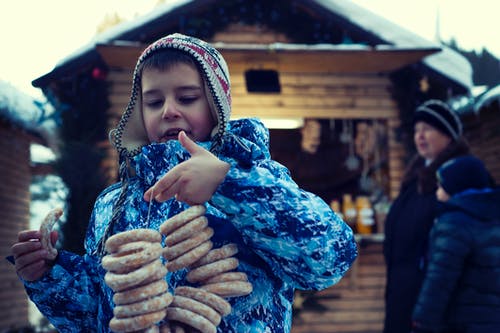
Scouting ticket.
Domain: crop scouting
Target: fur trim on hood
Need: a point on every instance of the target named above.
(130, 134)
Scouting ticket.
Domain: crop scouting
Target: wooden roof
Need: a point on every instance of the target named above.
(340, 22)
(290, 57)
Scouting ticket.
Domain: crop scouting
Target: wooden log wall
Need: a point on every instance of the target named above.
(15, 179)
(314, 95)
(483, 134)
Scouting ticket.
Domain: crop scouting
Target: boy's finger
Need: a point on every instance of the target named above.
(29, 258)
(19, 249)
(27, 235)
(189, 144)
(168, 193)
(160, 186)
(147, 195)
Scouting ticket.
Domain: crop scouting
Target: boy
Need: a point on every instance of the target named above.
(461, 290)
(177, 146)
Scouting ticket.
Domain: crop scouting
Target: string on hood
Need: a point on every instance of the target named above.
(118, 208)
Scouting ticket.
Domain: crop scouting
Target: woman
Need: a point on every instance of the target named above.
(437, 138)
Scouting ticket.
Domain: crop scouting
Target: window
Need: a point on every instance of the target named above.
(262, 81)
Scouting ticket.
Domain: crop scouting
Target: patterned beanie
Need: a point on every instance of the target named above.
(440, 116)
(130, 134)
(463, 173)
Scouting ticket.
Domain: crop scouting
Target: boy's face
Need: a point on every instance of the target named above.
(174, 100)
(441, 194)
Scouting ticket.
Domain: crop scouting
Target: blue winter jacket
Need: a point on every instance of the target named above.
(461, 290)
(287, 238)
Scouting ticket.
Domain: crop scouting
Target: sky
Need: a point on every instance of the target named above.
(37, 34)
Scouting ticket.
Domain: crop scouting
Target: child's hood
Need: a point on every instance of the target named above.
(130, 134)
(480, 203)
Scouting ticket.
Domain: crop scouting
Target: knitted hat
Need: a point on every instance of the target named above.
(130, 134)
(440, 116)
(463, 173)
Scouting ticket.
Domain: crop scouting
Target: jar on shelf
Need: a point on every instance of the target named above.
(365, 220)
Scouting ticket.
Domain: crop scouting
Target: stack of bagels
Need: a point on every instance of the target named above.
(136, 273)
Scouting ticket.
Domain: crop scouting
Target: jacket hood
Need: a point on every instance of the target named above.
(482, 204)
(130, 134)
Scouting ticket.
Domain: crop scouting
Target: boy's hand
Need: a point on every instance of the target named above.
(31, 259)
(193, 181)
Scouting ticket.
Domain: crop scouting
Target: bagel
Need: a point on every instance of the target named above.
(131, 256)
(182, 218)
(179, 249)
(220, 253)
(46, 228)
(189, 257)
(140, 293)
(186, 231)
(229, 289)
(151, 329)
(152, 304)
(115, 241)
(216, 302)
(136, 323)
(191, 319)
(149, 272)
(210, 270)
(226, 277)
(197, 307)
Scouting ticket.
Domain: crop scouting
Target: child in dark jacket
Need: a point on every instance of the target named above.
(177, 146)
(461, 290)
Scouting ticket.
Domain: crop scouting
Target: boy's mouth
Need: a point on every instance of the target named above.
(171, 134)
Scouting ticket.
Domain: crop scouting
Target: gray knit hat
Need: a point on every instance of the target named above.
(440, 116)
(130, 134)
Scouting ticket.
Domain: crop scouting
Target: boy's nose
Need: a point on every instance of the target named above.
(170, 111)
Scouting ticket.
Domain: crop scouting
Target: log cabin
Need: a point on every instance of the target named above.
(350, 74)
(18, 131)
(482, 128)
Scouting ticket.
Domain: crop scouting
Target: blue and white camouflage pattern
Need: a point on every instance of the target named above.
(288, 238)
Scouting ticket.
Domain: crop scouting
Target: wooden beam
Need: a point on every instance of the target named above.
(333, 59)
(325, 113)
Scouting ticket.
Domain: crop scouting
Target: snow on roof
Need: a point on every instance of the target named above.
(451, 64)
(448, 62)
(18, 107)
(24, 111)
(487, 98)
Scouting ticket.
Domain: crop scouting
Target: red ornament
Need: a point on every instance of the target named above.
(99, 74)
